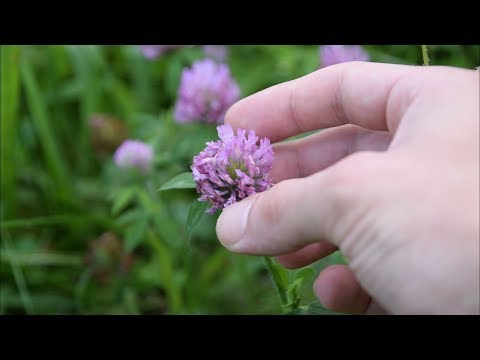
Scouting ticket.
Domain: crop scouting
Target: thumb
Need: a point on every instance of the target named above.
(297, 212)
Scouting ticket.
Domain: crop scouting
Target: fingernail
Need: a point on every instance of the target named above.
(232, 223)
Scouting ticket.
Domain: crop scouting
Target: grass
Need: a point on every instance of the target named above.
(9, 100)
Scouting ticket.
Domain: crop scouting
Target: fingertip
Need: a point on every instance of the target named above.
(231, 225)
(233, 116)
(338, 290)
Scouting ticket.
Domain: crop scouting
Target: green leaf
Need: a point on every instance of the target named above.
(338, 258)
(182, 181)
(305, 273)
(147, 202)
(302, 310)
(293, 293)
(134, 234)
(315, 308)
(195, 214)
(122, 200)
(131, 215)
(294, 286)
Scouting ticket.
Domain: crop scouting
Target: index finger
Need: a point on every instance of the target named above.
(354, 92)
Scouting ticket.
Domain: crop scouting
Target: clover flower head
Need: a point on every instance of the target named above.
(232, 168)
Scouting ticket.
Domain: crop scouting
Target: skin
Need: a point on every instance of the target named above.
(392, 181)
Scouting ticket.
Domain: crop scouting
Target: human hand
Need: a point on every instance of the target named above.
(393, 183)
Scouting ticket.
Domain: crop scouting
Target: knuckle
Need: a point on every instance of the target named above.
(356, 168)
(349, 179)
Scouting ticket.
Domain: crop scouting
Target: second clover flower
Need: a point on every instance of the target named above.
(206, 92)
(336, 54)
(134, 154)
(153, 51)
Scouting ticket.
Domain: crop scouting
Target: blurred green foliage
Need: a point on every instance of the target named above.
(78, 235)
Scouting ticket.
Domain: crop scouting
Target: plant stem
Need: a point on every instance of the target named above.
(282, 294)
(426, 60)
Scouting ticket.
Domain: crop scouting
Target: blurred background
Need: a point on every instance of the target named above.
(80, 233)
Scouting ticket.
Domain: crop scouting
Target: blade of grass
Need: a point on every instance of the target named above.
(87, 75)
(18, 275)
(57, 75)
(40, 118)
(121, 96)
(41, 259)
(81, 287)
(99, 219)
(142, 81)
(9, 96)
(167, 271)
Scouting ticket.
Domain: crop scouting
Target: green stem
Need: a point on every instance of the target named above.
(281, 291)
(426, 60)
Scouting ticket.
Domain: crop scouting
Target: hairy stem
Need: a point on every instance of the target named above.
(281, 291)
(426, 60)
